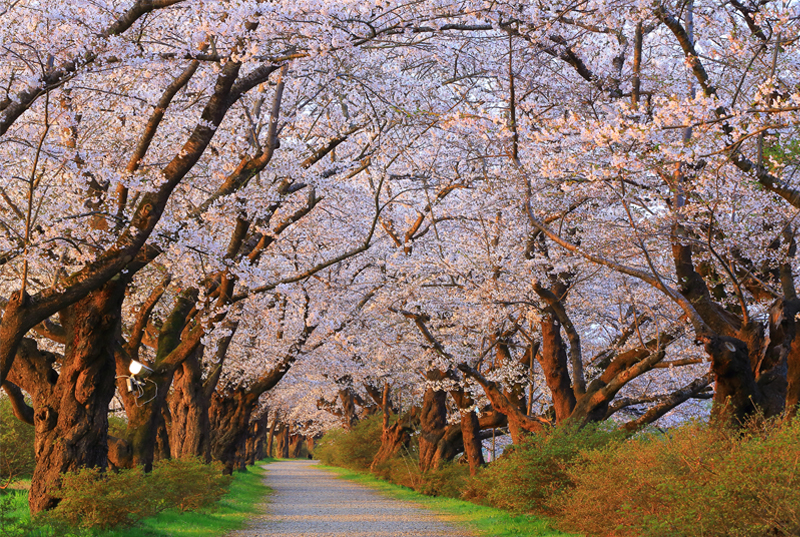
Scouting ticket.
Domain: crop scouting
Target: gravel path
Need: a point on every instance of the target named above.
(311, 502)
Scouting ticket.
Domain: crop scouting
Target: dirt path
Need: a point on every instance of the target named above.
(314, 503)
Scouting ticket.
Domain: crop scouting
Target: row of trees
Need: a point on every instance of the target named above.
(473, 215)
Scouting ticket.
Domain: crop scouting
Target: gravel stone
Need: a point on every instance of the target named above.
(311, 502)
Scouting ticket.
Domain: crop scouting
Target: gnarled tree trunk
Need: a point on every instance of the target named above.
(229, 415)
(71, 406)
(189, 431)
(433, 422)
(396, 437)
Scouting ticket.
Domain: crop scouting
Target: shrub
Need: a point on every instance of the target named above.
(449, 481)
(117, 426)
(189, 484)
(696, 480)
(95, 499)
(528, 474)
(16, 444)
(402, 469)
(354, 449)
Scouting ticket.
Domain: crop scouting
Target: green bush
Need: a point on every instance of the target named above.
(528, 474)
(449, 481)
(696, 480)
(402, 469)
(354, 449)
(95, 499)
(117, 426)
(188, 484)
(16, 444)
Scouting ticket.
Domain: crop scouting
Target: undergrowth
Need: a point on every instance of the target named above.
(229, 512)
(697, 480)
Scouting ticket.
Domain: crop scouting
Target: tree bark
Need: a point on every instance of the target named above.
(470, 431)
(349, 415)
(229, 416)
(71, 406)
(396, 437)
(257, 437)
(282, 441)
(271, 435)
(553, 359)
(189, 430)
(433, 422)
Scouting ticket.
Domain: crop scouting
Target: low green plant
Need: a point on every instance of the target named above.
(95, 499)
(188, 484)
(449, 481)
(528, 474)
(247, 491)
(353, 449)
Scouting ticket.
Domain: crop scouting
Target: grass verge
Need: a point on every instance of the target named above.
(481, 519)
(243, 500)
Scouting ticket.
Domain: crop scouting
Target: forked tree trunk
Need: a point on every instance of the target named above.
(395, 438)
(553, 360)
(349, 415)
(433, 422)
(71, 406)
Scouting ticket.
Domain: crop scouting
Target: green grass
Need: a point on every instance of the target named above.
(480, 519)
(247, 493)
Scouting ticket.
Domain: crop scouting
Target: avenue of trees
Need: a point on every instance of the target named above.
(466, 215)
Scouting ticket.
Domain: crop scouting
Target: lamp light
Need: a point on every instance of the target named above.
(137, 368)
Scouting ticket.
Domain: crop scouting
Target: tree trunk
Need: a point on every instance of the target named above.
(736, 393)
(349, 415)
(433, 421)
(782, 359)
(395, 438)
(470, 430)
(553, 359)
(229, 416)
(71, 406)
(310, 443)
(145, 418)
(162, 451)
(189, 430)
(271, 435)
(256, 438)
(296, 446)
(282, 446)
